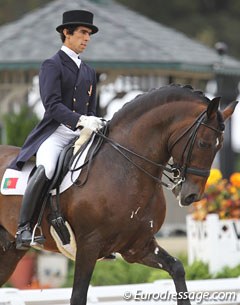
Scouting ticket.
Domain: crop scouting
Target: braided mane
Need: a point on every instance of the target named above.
(155, 97)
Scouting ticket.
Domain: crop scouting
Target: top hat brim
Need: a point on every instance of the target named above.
(87, 25)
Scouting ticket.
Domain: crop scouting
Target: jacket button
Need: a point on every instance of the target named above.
(74, 99)
(74, 110)
(87, 104)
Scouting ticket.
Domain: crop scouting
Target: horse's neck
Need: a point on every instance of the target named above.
(147, 134)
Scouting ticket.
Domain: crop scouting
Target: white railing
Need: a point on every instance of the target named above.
(207, 292)
(207, 239)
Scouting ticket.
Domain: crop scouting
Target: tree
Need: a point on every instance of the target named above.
(18, 125)
(14, 9)
(208, 21)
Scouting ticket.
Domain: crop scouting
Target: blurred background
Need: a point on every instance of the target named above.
(141, 45)
(208, 21)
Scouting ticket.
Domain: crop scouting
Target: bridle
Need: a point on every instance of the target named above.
(178, 171)
(181, 171)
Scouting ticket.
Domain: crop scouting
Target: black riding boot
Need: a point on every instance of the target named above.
(36, 190)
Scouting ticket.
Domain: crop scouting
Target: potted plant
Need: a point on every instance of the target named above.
(24, 273)
(213, 227)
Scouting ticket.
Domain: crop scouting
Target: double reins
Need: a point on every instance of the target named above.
(121, 149)
(179, 172)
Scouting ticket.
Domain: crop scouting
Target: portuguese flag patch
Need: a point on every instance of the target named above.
(10, 183)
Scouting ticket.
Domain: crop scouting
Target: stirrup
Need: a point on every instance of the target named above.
(37, 241)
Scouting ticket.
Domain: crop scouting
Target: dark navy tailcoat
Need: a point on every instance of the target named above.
(67, 92)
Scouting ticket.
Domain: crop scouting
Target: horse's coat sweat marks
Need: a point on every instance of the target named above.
(135, 213)
(156, 250)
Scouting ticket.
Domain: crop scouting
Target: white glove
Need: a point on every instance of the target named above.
(85, 134)
(91, 122)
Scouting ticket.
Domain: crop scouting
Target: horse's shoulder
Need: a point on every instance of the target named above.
(8, 149)
(5, 146)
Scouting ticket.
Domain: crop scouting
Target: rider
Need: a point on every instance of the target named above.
(68, 93)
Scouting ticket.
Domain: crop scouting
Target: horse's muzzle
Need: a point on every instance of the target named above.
(187, 200)
(188, 194)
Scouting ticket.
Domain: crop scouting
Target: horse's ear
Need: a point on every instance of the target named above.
(213, 106)
(228, 111)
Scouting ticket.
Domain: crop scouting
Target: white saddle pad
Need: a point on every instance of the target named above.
(15, 182)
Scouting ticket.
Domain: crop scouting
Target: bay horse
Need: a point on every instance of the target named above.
(122, 205)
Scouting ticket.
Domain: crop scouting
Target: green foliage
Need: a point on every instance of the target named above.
(207, 21)
(120, 272)
(14, 9)
(197, 270)
(18, 125)
(156, 275)
(227, 272)
(113, 273)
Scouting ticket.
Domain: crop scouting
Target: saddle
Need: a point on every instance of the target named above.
(64, 163)
(66, 159)
(55, 218)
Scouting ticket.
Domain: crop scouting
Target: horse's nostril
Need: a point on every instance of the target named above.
(191, 198)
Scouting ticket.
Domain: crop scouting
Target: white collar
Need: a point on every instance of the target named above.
(74, 56)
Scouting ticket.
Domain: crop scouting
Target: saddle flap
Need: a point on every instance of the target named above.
(14, 182)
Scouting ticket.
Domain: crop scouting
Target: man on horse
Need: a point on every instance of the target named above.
(68, 93)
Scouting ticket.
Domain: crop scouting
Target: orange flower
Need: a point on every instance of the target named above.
(233, 189)
(235, 213)
(221, 197)
(235, 179)
(222, 214)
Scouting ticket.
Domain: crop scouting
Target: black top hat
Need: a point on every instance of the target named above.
(78, 17)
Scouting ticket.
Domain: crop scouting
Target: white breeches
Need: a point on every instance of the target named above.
(49, 151)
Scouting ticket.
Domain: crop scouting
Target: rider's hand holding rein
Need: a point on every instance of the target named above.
(91, 122)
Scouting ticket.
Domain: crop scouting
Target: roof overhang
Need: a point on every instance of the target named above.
(130, 68)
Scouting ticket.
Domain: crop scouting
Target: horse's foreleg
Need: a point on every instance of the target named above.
(9, 256)
(157, 257)
(84, 265)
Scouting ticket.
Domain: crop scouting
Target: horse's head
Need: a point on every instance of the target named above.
(194, 148)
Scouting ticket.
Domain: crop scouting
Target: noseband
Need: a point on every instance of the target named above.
(179, 171)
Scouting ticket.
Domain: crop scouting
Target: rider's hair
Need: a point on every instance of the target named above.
(70, 29)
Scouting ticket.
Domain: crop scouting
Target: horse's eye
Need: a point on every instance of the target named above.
(202, 144)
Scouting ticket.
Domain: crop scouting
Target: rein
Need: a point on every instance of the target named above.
(179, 172)
(121, 150)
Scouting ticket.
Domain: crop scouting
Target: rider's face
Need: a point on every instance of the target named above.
(78, 40)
